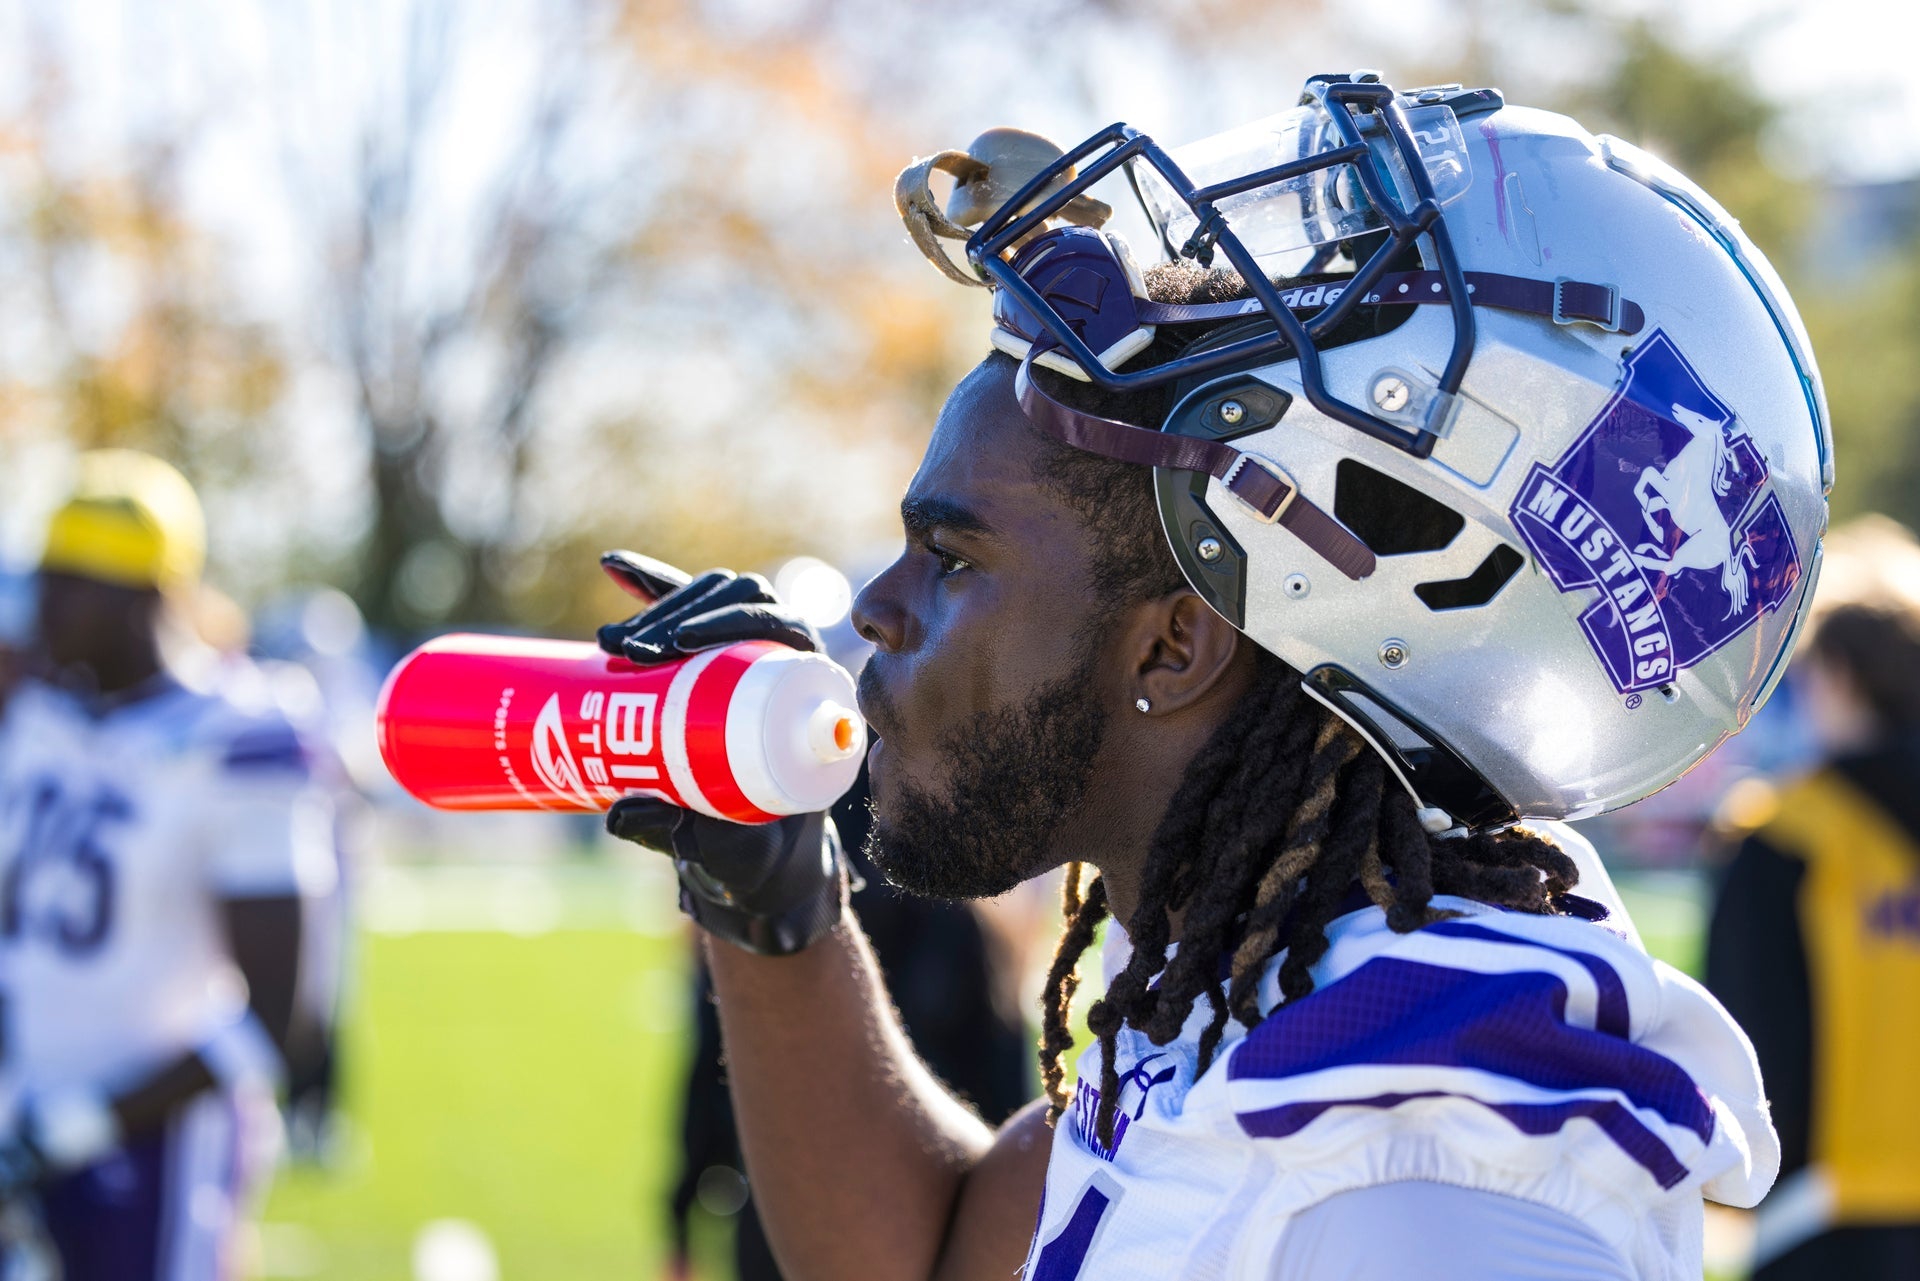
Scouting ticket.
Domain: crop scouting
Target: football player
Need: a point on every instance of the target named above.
(155, 837)
(1280, 598)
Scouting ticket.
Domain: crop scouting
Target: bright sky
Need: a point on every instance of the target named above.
(1855, 64)
(1852, 66)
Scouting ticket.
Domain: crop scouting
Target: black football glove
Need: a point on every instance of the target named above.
(771, 888)
(684, 617)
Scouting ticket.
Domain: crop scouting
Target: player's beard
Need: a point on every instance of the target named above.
(1014, 776)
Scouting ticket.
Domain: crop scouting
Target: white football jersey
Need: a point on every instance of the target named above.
(120, 833)
(1546, 1059)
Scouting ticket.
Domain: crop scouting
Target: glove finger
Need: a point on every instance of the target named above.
(642, 577)
(646, 637)
(657, 638)
(694, 598)
(645, 821)
(611, 637)
(741, 589)
(744, 623)
(715, 589)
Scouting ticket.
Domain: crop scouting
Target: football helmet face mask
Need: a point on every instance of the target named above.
(1545, 542)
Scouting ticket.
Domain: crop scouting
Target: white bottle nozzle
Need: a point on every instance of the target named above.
(833, 732)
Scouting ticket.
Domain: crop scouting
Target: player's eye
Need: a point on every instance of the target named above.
(950, 564)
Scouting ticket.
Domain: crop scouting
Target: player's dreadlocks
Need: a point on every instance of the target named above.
(1277, 816)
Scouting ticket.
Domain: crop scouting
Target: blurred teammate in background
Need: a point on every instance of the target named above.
(1815, 941)
(16, 625)
(156, 837)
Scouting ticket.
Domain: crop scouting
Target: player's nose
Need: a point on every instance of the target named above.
(879, 611)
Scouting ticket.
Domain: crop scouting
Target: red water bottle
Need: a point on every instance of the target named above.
(746, 732)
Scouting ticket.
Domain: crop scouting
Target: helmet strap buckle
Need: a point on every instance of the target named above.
(1259, 491)
(1582, 302)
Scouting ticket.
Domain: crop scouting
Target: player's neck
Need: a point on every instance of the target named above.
(1112, 829)
(1142, 767)
(119, 675)
(1114, 832)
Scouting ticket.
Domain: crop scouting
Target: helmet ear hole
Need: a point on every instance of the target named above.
(1391, 517)
(1477, 588)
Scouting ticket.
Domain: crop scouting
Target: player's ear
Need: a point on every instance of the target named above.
(1179, 650)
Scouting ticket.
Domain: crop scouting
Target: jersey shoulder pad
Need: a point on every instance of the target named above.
(246, 734)
(1537, 1019)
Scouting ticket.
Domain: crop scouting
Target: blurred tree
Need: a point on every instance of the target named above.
(1864, 334)
(123, 326)
(1703, 112)
(668, 219)
(448, 366)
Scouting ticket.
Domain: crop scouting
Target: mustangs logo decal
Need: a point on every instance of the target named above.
(1663, 505)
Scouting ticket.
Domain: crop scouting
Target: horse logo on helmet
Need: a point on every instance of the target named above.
(1663, 504)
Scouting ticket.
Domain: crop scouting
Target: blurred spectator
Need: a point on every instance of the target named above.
(160, 824)
(957, 995)
(1815, 940)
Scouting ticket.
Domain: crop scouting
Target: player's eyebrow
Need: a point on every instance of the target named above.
(919, 515)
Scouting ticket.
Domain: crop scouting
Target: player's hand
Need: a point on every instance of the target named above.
(683, 616)
(771, 888)
(21, 1168)
(53, 1133)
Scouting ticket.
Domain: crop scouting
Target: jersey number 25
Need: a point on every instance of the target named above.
(59, 881)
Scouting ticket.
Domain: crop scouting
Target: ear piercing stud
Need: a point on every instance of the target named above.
(1142, 705)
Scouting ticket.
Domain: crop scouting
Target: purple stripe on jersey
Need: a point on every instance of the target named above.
(1391, 1011)
(1060, 1258)
(1611, 1016)
(266, 749)
(1620, 1125)
(105, 1220)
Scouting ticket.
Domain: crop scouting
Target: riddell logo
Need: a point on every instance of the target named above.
(1299, 298)
(552, 758)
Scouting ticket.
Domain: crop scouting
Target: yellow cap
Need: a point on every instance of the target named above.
(133, 521)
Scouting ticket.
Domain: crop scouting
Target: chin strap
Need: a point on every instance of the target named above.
(1261, 485)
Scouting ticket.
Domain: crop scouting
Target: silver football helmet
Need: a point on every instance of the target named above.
(1544, 532)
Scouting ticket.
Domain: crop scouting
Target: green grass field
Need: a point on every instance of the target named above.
(513, 1055)
(525, 1083)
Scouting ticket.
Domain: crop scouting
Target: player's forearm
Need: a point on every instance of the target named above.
(263, 934)
(150, 1103)
(855, 1152)
(69, 1127)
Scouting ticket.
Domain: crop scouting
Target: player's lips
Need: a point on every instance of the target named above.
(875, 764)
(877, 706)
(875, 702)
